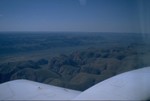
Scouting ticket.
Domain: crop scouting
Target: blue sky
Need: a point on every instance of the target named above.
(75, 15)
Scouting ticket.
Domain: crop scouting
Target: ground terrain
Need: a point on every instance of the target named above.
(71, 60)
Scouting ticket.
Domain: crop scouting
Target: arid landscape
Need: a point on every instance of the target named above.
(70, 60)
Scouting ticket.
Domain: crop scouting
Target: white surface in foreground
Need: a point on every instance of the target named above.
(29, 90)
(133, 85)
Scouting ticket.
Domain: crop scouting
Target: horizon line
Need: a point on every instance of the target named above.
(69, 32)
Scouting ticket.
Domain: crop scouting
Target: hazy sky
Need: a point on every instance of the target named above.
(75, 15)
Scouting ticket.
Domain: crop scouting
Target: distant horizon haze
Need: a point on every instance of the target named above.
(121, 16)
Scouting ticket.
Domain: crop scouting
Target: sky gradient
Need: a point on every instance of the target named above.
(75, 15)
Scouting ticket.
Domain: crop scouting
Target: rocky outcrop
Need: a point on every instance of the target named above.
(78, 70)
(42, 62)
(91, 66)
(8, 69)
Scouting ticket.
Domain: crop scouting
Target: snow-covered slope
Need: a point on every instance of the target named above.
(29, 90)
(133, 85)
